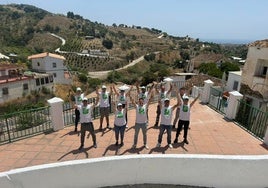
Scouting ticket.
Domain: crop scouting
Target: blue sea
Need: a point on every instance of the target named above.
(228, 41)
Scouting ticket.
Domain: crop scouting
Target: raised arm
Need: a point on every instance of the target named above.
(192, 103)
(128, 93)
(151, 89)
(132, 100)
(178, 99)
(138, 87)
(170, 89)
(115, 91)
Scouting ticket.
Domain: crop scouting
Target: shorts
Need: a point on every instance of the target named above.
(104, 111)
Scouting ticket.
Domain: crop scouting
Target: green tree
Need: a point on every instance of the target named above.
(107, 43)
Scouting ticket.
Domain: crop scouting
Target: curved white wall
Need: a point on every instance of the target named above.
(196, 170)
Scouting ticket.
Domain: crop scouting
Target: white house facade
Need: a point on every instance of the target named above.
(14, 84)
(255, 71)
(52, 64)
(234, 81)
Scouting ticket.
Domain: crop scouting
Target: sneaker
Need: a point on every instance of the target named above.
(185, 141)
(173, 127)
(126, 126)
(170, 146)
(95, 145)
(158, 145)
(175, 141)
(145, 146)
(121, 144)
(134, 146)
(108, 127)
(116, 143)
(155, 125)
(75, 129)
(81, 147)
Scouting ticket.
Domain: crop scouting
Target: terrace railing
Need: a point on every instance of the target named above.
(24, 123)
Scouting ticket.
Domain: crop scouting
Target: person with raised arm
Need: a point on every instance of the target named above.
(141, 121)
(85, 110)
(166, 119)
(162, 95)
(184, 117)
(104, 97)
(122, 97)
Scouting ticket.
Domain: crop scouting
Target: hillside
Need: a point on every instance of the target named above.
(92, 46)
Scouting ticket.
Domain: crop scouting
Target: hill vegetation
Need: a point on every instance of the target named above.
(92, 46)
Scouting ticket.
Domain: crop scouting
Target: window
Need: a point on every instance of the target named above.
(235, 85)
(42, 81)
(5, 91)
(25, 87)
(37, 82)
(264, 71)
(51, 78)
(38, 64)
(54, 65)
(46, 80)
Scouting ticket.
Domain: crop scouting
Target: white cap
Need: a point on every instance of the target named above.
(85, 99)
(78, 89)
(185, 97)
(166, 99)
(103, 87)
(119, 104)
(143, 87)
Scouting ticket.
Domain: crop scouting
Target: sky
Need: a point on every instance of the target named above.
(210, 20)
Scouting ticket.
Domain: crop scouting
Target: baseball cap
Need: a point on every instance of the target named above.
(119, 104)
(103, 87)
(185, 97)
(78, 89)
(143, 87)
(85, 99)
(166, 99)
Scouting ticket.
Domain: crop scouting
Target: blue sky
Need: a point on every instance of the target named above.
(204, 19)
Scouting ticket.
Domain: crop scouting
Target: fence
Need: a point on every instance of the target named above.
(24, 123)
(216, 99)
(252, 119)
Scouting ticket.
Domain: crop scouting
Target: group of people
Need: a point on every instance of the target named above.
(164, 112)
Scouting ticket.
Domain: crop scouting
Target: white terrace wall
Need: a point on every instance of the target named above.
(196, 170)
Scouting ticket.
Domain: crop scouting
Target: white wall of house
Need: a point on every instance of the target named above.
(234, 81)
(53, 66)
(22, 87)
(255, 71)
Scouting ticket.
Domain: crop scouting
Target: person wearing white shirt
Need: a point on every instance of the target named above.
(120, 123)
(78, 101)
(104, 97)
(166, 120)
(141, 120)
(184, 118)
(162, 94)
(85, 110)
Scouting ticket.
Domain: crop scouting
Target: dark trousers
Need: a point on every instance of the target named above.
(119, 130)
(158, 112)
(87, 127)
(77, 117)
(185, 125)
(162, 130)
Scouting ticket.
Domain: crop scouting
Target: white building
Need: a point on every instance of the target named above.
(52, 64)
(234, 81)
(14, 84)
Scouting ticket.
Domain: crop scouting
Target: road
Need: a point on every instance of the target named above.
(104, 74)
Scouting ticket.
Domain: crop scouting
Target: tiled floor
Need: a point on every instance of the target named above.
(210, 133)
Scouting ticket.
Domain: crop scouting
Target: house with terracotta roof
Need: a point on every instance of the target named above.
(53, 64)
(15, 83)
